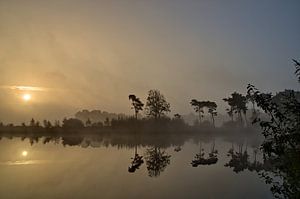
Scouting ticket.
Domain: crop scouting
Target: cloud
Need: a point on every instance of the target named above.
(24, 88)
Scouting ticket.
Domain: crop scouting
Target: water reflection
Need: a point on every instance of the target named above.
(156, 157)
(157, 160)
(158, 154)
(199, 158)
(240, 160)
(23, 162)
(137, 161)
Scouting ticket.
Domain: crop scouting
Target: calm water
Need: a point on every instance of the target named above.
(95, 170)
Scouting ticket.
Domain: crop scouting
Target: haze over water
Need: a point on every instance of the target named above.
(149, 99)
(94, 171)
(92, 54)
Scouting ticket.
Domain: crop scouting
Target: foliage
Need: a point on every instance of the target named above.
(199, 108)
(282, 141)
(156, 105)
(250, 99)
(47, 124)
(96, 116)
(238, 105)
(297, 72)
(72, 123)
(212, 107)
(136, 103)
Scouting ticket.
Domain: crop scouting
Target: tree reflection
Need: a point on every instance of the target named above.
(137, 161)
(211, 159)
(239, 159)
(157, 160)
(257, 165)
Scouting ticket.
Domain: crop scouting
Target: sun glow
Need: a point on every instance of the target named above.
(26, 97)
(24, 153)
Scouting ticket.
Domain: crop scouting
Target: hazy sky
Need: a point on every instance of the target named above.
(91, 54)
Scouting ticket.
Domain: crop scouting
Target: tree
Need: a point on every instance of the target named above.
(72, 123)
(136, 103)
(281, 146)
(57, 123)
(107, 122)
(281, 129)
(198, 107)
(88, 122)
(32, 122)
(238, 105)
(47, 124)
(212, 107)
(297, 72)
(156, 105)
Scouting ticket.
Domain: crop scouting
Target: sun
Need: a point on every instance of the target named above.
(26, 97)
(24, 153)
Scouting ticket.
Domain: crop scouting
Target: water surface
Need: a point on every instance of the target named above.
(98, 169)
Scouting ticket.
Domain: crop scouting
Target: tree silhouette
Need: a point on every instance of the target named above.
(72, 123)
(281, 129)
(251, 99)
(57, 123)
(136, 103)
(107, 122)
(238, 105)
(198, 107)
(156, 105)
(297, 72)
(212, 107)
(282, 141)
(32, 122)
(47, 124)
(88, 122)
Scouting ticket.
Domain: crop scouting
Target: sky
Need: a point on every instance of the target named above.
(71, 55)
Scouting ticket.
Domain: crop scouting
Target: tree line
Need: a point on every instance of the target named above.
(157, 106)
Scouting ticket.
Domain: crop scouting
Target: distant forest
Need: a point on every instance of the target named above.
(241, 111)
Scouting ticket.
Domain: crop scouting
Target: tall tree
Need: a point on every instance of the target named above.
(136, 103)
(238, 105)
(156, 105)
(281, 129)
(212, 107)
(32, 122)
(230, 110)
(198, 107)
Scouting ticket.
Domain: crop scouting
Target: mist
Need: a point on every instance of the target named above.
(92, 54)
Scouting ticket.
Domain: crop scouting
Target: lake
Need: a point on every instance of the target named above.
(100, 168)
